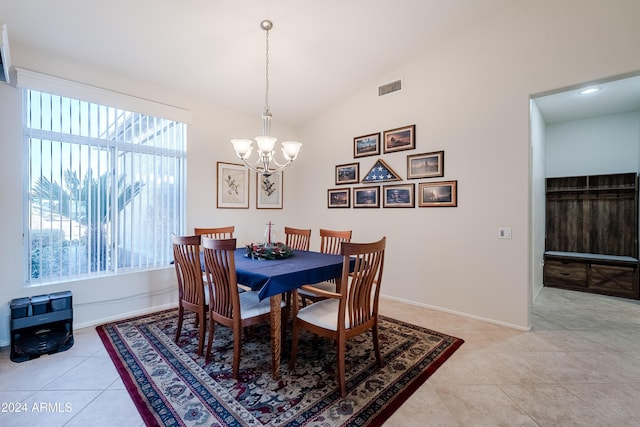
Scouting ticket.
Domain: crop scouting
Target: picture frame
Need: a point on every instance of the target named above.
(438, 194)
(348, 173)
(366, 197)
(366, 145)
(338, 198)
(269, 191)
(233, 186)
(398, 196)
(400, 139)
(425, 165)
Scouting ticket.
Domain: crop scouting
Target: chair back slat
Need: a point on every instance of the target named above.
(360, 296)
(220, 268)
(297, 239)
(331, 240)
(186, 256)
(216, 232)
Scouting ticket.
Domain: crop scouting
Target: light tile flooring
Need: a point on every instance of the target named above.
(580, 366)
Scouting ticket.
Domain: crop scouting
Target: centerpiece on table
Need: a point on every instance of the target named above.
(268, 250)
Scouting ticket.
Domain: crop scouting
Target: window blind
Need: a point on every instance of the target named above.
(105, 187)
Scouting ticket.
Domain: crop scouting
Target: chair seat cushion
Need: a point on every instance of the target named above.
(325, 286)
(323, 314)
(251, 306)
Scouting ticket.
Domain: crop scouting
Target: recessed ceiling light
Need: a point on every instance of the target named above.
(589, 91)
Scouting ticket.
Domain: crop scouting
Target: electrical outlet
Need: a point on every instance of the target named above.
(504, 233)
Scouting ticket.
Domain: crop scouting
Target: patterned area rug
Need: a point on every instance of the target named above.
(172, 386)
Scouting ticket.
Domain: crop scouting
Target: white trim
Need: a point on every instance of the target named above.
(124, 316)
(45, 83)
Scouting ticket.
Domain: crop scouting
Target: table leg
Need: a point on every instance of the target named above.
(276, 333)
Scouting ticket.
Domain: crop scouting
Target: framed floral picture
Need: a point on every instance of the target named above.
(348, 173)
(425, 165)
(400, 139)
(398, 196)
(233, 186)
(269, 191)
(366, 145)
(366, 197)
(435, 194)
(339, 198)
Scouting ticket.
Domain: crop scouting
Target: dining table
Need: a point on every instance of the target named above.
(273, 278)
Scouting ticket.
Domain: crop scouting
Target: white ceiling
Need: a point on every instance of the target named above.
(618, 96)
(320, 51)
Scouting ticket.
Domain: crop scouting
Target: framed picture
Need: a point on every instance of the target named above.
(269, 191)
(425, 165)
(400, 139)
(366, 197)
(348, 173)
(367, 145)
(233, 186)
(433, 194)
(398, 196)
(339, 198)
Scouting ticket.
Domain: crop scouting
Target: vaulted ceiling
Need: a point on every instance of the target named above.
(320, 51)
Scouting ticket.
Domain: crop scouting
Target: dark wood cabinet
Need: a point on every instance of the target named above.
(591, 241)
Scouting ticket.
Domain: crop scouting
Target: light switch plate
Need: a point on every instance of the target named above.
(504, 233)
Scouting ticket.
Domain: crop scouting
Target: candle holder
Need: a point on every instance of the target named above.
(270, 249)
(269, 235)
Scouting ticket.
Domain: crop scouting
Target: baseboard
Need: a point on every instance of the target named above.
(123, 316)
(458, 313)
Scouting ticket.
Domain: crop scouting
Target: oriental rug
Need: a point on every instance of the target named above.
(172, 386)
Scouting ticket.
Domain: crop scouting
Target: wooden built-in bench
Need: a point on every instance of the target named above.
(603, 274)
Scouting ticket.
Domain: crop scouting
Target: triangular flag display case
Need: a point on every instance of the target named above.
(381, 172)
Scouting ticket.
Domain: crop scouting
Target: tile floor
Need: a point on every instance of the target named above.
(580, 366)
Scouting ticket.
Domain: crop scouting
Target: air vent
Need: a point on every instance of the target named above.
(390, 88)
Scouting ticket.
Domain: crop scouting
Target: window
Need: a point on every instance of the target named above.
(104, 189)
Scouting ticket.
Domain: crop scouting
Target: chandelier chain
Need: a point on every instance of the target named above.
(266, 94)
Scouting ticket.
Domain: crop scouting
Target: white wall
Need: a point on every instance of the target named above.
(108, 298)
(469, 97)
(598, 145)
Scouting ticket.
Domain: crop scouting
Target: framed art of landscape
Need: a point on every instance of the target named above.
(339, 198)
(425, 165)
(435, 194)
(348, 173)
(400, 139)
(367, 145)
(366, 197)
(398, 196)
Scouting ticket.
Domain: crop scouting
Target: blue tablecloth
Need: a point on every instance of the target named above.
(272, 277)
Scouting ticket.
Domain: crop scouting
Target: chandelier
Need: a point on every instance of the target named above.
(266, 164)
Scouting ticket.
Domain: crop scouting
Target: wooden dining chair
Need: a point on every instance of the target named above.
(331, 240)
(228, 307)
(219, 233)
(330, 243)
(297, 238)
(216, 232)
(192, 295)
(350, 312)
